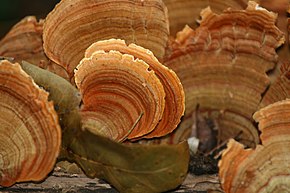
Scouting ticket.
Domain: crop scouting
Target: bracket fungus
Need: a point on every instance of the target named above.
(116, 90)
(174, 100)
(24, 42)
(222, 66)
(29, 128)
(265, 168)
(75, 24)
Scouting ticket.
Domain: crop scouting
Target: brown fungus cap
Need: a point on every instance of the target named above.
(222, 66)
(174, 100)
(187, 12)
(30, 135)
(280, 88)
(24, 42)
(75, 24)
(117, 89)
(265, 168)
(280, 7)
(288, 27)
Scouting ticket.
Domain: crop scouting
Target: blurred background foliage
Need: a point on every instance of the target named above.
(12, 11)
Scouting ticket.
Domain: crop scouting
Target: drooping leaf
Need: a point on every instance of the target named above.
(66, 98)
(131, 167)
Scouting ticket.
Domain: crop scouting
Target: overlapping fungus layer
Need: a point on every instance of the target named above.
(117, 89)
(187, 12)
(222, 66)
(75, 24)
(266, 168)
(29, 130)
(174, 101)
(280, 88)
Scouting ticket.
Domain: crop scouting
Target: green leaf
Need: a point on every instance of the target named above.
(131, 167)
(65, 96)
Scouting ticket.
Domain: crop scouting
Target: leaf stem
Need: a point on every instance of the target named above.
(130, 131)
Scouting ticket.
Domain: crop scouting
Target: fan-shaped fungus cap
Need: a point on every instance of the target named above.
(116, 90)
(24, 42)
(30, 135)
(222, 66)
(174, 101)
(75, 24)
(266, 168)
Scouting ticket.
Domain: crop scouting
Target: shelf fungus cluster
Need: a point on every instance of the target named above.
(136, 82)
(127, 93)
(29, 129)
(265, 168)
(75, 24)
(222, 66)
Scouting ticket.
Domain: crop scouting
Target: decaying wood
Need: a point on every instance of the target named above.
(60, 181)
